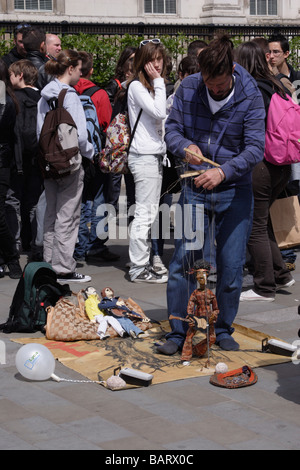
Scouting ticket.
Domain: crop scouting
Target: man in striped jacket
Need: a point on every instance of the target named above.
(219, 114)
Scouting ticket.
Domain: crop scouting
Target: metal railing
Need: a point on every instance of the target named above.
(206, 32)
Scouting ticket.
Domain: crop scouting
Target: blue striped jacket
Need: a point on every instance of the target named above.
(240, 147)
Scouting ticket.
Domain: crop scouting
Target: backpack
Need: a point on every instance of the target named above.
(89, 92)
(37, 289)
(282, 144)
(95, 133)
(26, 144)
(114, 156)
(58, 144)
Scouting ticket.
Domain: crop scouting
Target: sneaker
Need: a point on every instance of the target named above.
(74, 277)
(251, 295)
(15, 270)
(150, 276)
(158, 266)
(287, 284)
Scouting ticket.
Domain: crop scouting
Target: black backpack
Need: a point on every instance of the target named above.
(36, 290)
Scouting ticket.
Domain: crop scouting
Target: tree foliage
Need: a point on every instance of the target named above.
(106, 49)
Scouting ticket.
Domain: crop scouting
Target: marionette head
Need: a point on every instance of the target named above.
(107, 292)
(201, 270)
(90, 291)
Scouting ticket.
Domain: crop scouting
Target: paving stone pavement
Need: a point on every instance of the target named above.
(178, 418)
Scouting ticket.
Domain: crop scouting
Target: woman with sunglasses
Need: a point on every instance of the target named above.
(147, 92)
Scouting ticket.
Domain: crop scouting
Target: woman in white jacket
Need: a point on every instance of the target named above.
(63, 195)
(147, 92)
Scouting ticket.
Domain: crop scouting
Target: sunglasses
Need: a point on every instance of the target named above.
(22, 26)
(145, 41)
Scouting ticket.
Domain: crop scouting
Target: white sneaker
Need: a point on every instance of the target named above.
(287, 284)
(73, 277)
(251, 295)
(158, 266)
(150, 276)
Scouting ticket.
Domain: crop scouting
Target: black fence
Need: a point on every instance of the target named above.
(205, 32)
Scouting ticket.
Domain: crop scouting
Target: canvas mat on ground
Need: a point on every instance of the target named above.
(97, 360)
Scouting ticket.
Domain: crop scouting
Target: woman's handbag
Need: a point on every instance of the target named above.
(114, 157)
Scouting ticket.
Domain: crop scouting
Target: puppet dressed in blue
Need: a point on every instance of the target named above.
(116, 307)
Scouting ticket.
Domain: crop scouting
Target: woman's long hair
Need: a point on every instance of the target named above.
(57, 67)
(124, 63)
(143, 55)
(252, 57)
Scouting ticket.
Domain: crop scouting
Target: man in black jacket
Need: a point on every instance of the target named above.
(34, 40)
(17, 52)
(26, 180)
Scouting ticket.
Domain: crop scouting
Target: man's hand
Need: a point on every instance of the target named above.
(209, 179)
(191, 158)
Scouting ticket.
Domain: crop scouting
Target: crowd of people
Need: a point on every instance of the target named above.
(216, 109)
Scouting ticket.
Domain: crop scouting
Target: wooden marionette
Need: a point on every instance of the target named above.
(202, 314)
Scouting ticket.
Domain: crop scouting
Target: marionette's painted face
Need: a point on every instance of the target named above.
(201, 276)
(109, 293)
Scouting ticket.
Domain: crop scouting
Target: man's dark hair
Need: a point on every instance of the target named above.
(33, 38)
(284, 43)
(217, 58)
(194, 46)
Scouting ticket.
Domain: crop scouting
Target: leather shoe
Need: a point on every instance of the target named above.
(169, 348)
(228, 344)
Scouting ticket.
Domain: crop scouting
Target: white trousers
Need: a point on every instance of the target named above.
(147, 174)
(104, 321)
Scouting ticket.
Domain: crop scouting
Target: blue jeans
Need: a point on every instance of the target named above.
(88, 239)
(231, 210)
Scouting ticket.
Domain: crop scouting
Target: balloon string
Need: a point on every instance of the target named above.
(59, 379)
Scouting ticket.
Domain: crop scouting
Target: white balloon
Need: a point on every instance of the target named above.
(35, 362)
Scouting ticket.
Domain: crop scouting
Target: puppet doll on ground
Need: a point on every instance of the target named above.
(97, 316)
(116, 307)
(202, 314)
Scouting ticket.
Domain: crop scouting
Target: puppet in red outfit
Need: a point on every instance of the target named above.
(202, 313)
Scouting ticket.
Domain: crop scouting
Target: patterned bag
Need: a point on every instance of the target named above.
(114, 157)
(67, 320)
